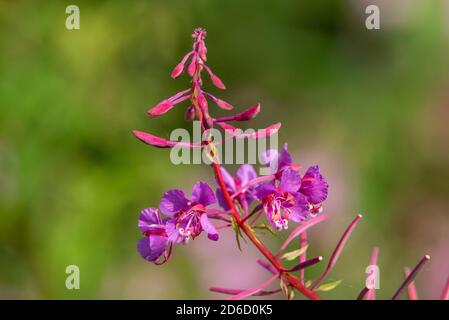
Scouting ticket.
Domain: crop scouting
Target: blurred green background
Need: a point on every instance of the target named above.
(371, 107)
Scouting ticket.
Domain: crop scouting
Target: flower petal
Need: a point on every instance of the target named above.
(207, 226)
(270, 159)
(173, 232)
(285, 159)
(265, 190)
(153, 247)
(221, 199)
(173, 201)
(148, 217)
(300, 210)
(228, 179)
(290, 180)
(245, 173)
(203, 194)
(314, 186)
(160, 108)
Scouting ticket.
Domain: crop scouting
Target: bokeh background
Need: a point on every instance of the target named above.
(371, 107)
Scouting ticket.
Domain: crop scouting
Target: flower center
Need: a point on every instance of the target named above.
(188, 224)
(276, 210)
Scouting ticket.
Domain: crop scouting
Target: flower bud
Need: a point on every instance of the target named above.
(160, 109)
(192, 67)
(217, 82)
(223, 104)
(177, 70)
(189, 115)
(153, 140)
(202, 101)
(248, 114)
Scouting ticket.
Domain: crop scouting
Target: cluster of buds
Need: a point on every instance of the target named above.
(197, 108)
(241, 201)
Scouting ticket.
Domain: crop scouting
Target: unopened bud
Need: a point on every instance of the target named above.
(189, 115)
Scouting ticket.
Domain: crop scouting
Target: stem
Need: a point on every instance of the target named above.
(302, 257)
(305, 264)
(268, 255)
(410, 277)
(362, 293)
(237, 291)
(338, 249)
(373, 262)
(445, 295)
(412, 293)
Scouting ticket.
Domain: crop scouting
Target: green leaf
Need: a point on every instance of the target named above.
(289, 256)
(237, 231)
(264, 226)
(328, 286)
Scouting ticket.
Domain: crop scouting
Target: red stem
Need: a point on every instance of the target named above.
(445, 295)
(410, 277)
(259, 245)
(338, 249)
(302, 257)
(412, 293)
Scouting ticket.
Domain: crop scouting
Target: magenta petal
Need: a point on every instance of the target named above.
(173, 232)
(221, 199)
(290, 180)
(148, 217)
(285, 159)
(228, 179)
(265, 190)
(314, 186)
(270, 158)
(300, 210)
(152, 248)
(207, 226)
(173, 201)
(203, 194)
(246, 173)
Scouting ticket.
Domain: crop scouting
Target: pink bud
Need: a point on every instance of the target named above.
(160, 109)
(202, 50)
(217, 82)
(190, 113)
(177, 70)
(208, 122)
(248, 114)
(229, 128)
(223, 104)
(266, 132)
(191, 68)
(152, 140)
(202, 101)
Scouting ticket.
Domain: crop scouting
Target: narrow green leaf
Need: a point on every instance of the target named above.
(238, 232)
(289, 256)
(328, 286)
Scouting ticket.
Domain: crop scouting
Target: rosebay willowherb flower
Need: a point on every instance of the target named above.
(246, 202)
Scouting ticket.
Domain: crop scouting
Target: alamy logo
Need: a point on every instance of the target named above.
(372, 22)
(72, 22)
(73, 279)
(373, 278)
